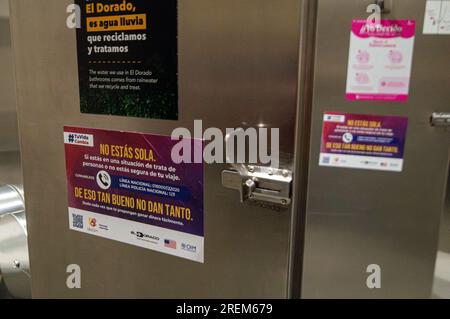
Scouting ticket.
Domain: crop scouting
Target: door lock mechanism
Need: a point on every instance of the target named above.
(440, 119)
(258, 183)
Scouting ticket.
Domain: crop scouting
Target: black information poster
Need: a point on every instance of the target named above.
(127, 58)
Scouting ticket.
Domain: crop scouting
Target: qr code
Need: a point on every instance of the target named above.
(77, 221)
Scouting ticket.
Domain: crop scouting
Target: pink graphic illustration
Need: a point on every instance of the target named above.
(396, 57)
(362, 78)
(363, 56)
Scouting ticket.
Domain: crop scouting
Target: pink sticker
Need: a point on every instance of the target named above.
(380, 60)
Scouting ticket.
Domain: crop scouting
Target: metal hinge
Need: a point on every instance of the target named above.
(258, 183)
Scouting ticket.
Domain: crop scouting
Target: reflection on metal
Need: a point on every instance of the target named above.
(11, 200)
(14, 262)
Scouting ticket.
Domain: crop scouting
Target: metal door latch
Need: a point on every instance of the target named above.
(440, 119)
(258, 183)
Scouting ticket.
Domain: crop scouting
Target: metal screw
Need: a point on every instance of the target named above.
(270, 172)
(251, 169)
(250, 183)
(16, 264)
(285, 173)
(284, 202)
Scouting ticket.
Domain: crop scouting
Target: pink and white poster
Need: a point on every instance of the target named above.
(380, 60)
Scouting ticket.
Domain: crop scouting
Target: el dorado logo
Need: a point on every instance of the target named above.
(108, 7)
(145, 237)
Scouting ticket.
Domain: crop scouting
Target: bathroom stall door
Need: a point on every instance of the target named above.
(383, 219)
(237, 66)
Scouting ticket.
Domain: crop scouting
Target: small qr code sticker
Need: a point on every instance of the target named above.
(77, 221)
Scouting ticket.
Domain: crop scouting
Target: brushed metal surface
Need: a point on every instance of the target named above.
(10, 170)
(9, 139)
(238, 62)
(4, 8)
(11, 200)
(444, 233)
(356, 217)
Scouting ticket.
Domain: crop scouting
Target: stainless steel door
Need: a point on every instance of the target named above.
(355, 217)
(238, 62)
